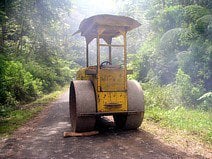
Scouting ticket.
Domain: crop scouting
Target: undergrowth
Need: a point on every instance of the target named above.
(16, 118)
(13, 119)
(195, 122)
(166, 105)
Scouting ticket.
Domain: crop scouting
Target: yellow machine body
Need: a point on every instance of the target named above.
(111, 94)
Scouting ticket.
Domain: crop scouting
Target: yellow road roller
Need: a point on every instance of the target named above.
(103, 89)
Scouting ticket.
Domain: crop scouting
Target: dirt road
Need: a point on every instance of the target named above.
(42, 138)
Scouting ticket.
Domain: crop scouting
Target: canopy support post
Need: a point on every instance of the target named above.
(87, 60)
(125, 58)
(110, 50)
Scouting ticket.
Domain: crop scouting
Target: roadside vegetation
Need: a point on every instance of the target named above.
(193, 122)
(15, 118)
(35, 57)
(174, 63)
(164, 107)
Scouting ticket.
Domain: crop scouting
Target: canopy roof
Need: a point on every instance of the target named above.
(108, 26)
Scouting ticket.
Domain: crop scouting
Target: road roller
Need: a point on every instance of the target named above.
(102, 89)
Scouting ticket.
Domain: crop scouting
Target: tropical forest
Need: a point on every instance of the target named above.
(170, 55)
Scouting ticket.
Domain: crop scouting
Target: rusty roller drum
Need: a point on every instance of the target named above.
(135, 105)
(82, 106)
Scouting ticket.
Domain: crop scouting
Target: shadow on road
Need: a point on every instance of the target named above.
(138, 140)
(43, 138)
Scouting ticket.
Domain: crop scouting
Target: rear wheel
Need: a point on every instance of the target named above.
(135, 104)
(82, 106)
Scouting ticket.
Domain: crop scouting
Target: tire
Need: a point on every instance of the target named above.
(136, 104)
(81, 102)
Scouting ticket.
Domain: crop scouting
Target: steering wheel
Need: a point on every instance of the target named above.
(105, 63)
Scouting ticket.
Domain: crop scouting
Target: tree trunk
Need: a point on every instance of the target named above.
(3, 27)
(163, 3)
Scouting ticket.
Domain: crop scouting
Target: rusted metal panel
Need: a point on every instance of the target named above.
(112, 80)
(111, 101)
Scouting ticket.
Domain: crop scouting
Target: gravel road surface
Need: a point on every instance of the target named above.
(42, 138)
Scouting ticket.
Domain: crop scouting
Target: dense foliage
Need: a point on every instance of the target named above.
(34, 49)
(175, 59)
(171, 54)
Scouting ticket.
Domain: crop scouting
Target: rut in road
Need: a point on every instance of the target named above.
(43, 138)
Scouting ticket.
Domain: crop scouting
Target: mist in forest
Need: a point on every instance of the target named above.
(171, 49)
